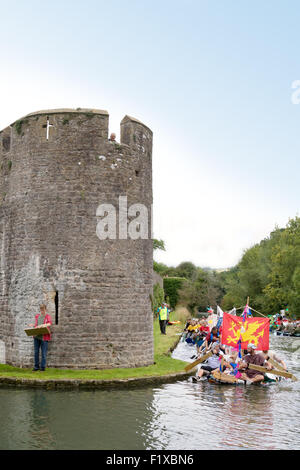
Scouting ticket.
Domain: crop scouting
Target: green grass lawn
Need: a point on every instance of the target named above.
(163, 363)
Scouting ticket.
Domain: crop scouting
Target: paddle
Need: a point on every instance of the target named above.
(198, 361)
(280, 367)
(275, 364)
(281, 373)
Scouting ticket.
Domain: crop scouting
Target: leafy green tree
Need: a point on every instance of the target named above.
(284, 286)
(158, 245)
(268, 273)
(187, 270)
(204, 291)
(160, 268)
(172, 286)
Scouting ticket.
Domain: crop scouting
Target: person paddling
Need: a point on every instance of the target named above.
(251, 375)
(268, 354)
(211, 338)
(212, 363)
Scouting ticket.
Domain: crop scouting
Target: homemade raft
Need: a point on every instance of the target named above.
(220, 378)
(238, 332)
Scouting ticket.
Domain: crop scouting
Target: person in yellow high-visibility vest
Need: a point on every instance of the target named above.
(163, 318)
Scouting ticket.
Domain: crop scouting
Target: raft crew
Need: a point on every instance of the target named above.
(271, 355)
(292, 328)
(228, 357)
(210, 338)
(190, 331)
(203, 331)
(251, 375)
(213, 363)
(195, 332)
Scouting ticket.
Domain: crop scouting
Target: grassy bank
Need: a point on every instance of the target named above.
(163, 363)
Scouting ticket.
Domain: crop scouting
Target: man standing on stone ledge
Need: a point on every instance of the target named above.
(41, 319)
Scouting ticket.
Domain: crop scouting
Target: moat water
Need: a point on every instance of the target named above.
(180, 415)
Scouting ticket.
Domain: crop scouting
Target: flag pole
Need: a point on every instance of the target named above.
(256, 311)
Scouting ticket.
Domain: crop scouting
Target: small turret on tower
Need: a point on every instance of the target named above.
(135, 133)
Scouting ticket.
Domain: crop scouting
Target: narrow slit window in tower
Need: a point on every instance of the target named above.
(56, 308)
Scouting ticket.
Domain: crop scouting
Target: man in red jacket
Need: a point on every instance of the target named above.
(41, 342)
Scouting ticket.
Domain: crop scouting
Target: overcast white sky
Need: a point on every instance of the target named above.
(213, 80)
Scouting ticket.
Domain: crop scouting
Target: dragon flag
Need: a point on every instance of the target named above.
(249, 330)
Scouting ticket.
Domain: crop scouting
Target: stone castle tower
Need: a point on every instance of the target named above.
(56, 168)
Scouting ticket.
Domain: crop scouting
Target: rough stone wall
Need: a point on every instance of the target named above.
(157, 279)
(49, 194)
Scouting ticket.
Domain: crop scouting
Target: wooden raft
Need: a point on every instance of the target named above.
(40, 330)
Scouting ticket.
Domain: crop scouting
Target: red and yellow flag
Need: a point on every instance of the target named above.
(253, 330)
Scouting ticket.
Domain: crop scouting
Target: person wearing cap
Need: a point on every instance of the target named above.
(251, 375)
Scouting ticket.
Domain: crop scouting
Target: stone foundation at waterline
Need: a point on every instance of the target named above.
(57, 167)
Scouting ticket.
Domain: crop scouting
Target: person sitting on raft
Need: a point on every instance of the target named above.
(271, 355)
(251, 375)
(185, 330)
(211, 338)
(198, 336)
(188, 322)
(212, 363)
(191, 332)
(202, 333)
(204, 328)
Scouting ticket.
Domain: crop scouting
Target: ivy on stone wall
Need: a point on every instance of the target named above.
(158, 297)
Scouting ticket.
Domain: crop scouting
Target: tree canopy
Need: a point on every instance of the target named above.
(268, 272)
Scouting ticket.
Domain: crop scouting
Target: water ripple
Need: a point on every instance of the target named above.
(180, 415)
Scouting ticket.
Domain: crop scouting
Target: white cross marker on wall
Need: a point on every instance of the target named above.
(48, 128)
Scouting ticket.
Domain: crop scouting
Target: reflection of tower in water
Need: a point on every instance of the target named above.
(25, 420)
(41, 420)
(100, 419)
